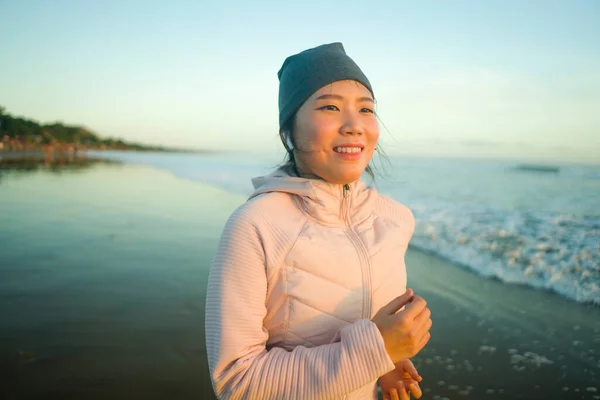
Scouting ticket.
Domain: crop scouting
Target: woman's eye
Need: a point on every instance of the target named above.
(368, 110)
(330, 108)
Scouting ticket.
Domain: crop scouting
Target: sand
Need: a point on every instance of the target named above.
(103, 271)
(496, 341)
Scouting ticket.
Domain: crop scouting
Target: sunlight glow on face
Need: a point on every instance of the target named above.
(339, 114)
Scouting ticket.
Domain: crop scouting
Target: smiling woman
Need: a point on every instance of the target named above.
(334, 133)
(332, 61)
(305, 290)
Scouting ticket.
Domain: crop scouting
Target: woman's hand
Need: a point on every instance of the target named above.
(401, 382)
(404, 332)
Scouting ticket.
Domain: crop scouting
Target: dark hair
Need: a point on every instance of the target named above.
(289, 163)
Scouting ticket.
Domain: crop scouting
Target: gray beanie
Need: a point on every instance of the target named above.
(304, 73)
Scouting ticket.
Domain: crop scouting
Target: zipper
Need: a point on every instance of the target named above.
(365, 263)
(344, 212)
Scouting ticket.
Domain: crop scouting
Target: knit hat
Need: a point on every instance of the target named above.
(304, 73)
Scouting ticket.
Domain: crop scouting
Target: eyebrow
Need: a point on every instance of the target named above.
(338, 97)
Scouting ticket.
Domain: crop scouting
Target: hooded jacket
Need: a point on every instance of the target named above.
(300, 270)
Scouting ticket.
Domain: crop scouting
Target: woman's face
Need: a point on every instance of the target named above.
(336, 132)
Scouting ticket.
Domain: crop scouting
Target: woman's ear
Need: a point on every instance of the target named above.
(286, 138)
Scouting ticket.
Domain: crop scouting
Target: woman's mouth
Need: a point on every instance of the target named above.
(348, 150)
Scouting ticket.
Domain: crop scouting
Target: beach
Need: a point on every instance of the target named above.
(496, 341)
(103, 271)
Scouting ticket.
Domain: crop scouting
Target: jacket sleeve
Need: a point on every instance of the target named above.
(240, 365)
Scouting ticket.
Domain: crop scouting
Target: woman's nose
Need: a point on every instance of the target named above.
(351, 124)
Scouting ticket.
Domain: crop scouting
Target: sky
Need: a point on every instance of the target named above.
(497, 79)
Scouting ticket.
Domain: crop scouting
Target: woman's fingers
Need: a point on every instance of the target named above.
(423, 341)
(424, 330)
(423, 319)
(394, 394)
(412, 371)
(422, 325)
(414, 308)
(402, 390)
(415, 390)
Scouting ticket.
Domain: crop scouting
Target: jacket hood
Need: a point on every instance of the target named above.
(323, 200)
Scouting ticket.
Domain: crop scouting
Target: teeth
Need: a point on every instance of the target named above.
(348, 149)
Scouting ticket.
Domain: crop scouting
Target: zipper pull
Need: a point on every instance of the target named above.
(346, 190)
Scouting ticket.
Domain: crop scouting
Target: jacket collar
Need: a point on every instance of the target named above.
(328, 203)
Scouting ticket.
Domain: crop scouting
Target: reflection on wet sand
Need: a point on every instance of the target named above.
(102, 276)
(50, 159)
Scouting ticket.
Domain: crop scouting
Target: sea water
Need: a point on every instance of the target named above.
(540, 229)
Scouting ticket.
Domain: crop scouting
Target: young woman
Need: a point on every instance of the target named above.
(307, 292)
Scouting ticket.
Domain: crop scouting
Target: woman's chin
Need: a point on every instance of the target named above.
(344, 177)
(338, 174)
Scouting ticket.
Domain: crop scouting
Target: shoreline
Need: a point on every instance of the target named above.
(474, 271)
(39, 153)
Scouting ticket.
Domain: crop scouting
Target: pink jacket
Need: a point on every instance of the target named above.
(300, 270)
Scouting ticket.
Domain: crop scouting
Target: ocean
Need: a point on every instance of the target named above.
(520, 226)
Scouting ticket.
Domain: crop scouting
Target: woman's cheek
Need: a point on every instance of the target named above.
(312, 141)
(374, 132)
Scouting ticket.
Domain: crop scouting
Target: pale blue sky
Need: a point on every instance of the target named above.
(517, 79)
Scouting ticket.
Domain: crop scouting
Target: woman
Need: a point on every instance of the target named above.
(305, 290)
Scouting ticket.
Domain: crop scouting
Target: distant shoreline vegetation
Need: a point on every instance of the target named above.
(20, 134)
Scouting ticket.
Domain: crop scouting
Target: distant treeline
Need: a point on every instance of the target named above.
(31, 134)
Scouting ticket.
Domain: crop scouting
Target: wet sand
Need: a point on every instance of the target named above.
(102, 284)
(496, 341)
